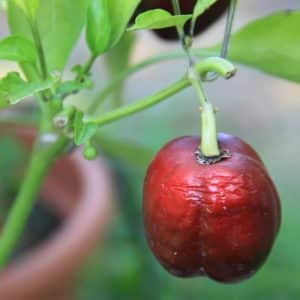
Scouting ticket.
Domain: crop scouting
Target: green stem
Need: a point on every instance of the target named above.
(44, 95)
(185, 42)
(177, 11)
(227, 37)
(193, 26)
(209, 138)
(196, 83)
(139, 106)
(81, 76)
(228, 29)
(103, 95)
(216, 64)
(41, 160)
(88, 66)
(176, 7)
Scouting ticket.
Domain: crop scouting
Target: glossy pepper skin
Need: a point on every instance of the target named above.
(217, 220)
(187, 6)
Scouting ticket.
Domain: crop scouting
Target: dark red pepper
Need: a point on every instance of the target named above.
(204, 21)
(216, 220)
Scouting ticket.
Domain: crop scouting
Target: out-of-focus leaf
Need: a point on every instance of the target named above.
(60, 24)
(121, 12)
(128, 152)
(117, 61)
(3, 5)
(18, 49)
(106, 23)
(29, 7)
(270, 44)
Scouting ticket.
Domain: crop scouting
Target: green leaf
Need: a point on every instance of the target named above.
(73, 87)
(13, 88)
(270, 44)
(60, 23)
(120, 12)
(29, 7)
(18, 49)
(157, 19)
(201, 6)
(83, 131)
(106, 23)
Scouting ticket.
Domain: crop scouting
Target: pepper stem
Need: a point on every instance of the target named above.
(209, 139)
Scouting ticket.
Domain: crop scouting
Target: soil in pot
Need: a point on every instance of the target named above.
(43, 220)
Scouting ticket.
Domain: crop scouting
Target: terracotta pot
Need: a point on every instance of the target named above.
(81, 192)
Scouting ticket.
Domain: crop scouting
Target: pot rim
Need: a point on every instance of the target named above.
(56, 260)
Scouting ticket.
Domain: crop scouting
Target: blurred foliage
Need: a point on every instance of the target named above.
(268, 44)
(118, 60)
(58, 21)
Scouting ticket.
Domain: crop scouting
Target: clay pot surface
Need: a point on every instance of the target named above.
(82, 193)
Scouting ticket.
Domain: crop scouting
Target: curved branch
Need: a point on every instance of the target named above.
(221, 66)
(103, 95)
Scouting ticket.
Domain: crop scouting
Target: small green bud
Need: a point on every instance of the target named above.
(90, 152)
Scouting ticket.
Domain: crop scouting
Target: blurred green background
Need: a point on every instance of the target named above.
(262, 110)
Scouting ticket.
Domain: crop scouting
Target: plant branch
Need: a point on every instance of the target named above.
(139, 106)
(209, 138)
(88, 66)
(103, 95)
(216, 64)
(186, 43)
(177, 11)
(228, 29)
(194, 78)
(81, 76)
(227, 37)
